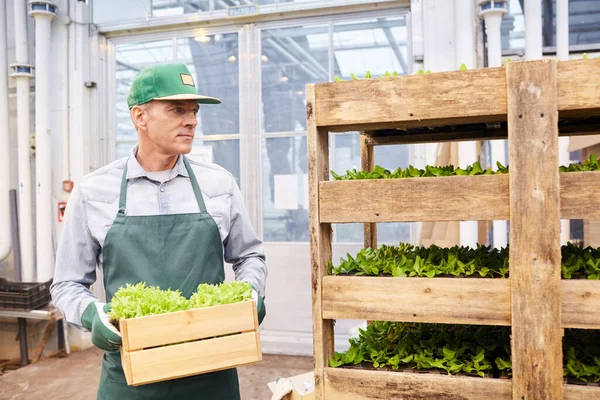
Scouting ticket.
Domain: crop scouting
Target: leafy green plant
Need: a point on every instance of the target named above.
(412, 172)
(459, 349)
(139, 300)
(588, 165)
(379, 172)
(225, 293)
(406, 260)
(450, 348)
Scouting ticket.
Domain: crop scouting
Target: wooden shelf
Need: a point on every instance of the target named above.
(481, 131)
(477, 301)
(453, 198)
(531, 103)
(448, 98)
(342, 384)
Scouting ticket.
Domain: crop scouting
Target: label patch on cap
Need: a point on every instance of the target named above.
(187, 79)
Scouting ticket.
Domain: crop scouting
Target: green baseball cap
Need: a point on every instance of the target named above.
(165, 82)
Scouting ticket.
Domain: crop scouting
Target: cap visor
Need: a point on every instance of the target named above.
(201, 99)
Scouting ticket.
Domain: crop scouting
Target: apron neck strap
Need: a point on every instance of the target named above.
(193, 180)
(123, 195)
(195, 186)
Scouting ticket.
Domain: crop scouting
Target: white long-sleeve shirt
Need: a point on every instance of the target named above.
(93, 205)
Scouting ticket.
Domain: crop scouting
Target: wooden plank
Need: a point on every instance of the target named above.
(45, 336)
(187, 359)
(438, 300)
(181, 326)
(415, 199)
(367, 164)
(578, 87)
(577, 199)
(389, 137)
(356, 384)
(580, 392)
(580, 304)
(535, 230)
(343, 384)
(418, 199)
(448, 300)
(320, 238)
(419, 100)
(453, 98)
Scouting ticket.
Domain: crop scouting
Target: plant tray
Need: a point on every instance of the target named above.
(185, 343)
(23, 296)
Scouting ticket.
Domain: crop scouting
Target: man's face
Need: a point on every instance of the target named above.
(170, 125)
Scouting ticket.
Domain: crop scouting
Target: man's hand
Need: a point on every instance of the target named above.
(104, 334)
(260, 306)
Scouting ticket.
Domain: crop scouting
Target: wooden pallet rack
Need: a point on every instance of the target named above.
(530, 103)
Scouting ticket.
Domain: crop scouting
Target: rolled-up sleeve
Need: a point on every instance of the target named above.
(76, 261)
(242, 248)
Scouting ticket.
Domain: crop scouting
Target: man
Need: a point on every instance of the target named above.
(159, 218)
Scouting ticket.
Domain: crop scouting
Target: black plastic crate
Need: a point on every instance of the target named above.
(23, 296)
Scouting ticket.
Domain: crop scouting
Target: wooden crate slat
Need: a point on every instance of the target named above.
(415, 199)
(436, 300)
(447, 98)
(480, 301)
(187, 359)
(445, 199)
(580, 304)
(182, 326)
(576, 95)
(534, 230)
(476, 96)
(578, 199)
(320, 239)
(341, 384)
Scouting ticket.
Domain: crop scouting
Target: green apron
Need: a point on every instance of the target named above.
(177, 251)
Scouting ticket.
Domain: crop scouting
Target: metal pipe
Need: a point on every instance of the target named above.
(464, 39)
(43, 12)
(22, 72)
(14, 221)
(562, 53)
(5, 242)
(533, 29)
(562, 29)
(22, 327)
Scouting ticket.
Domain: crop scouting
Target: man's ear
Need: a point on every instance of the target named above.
(137, 116)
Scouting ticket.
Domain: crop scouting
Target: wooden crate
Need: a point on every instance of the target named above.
(185, 343)
(529, 103)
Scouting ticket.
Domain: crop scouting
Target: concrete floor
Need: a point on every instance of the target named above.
(76, 377)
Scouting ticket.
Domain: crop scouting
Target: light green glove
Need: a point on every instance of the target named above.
(260, 306)
(104, 334)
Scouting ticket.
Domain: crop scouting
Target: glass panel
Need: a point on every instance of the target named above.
(104, 11)
(513, 27)
(226, 3)
(162, 8)
(584, 24)
(347, 157)
(131, 58)
(378, 45)
(225, 153)
(291, 58)
(285, 189)
(213, 62)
